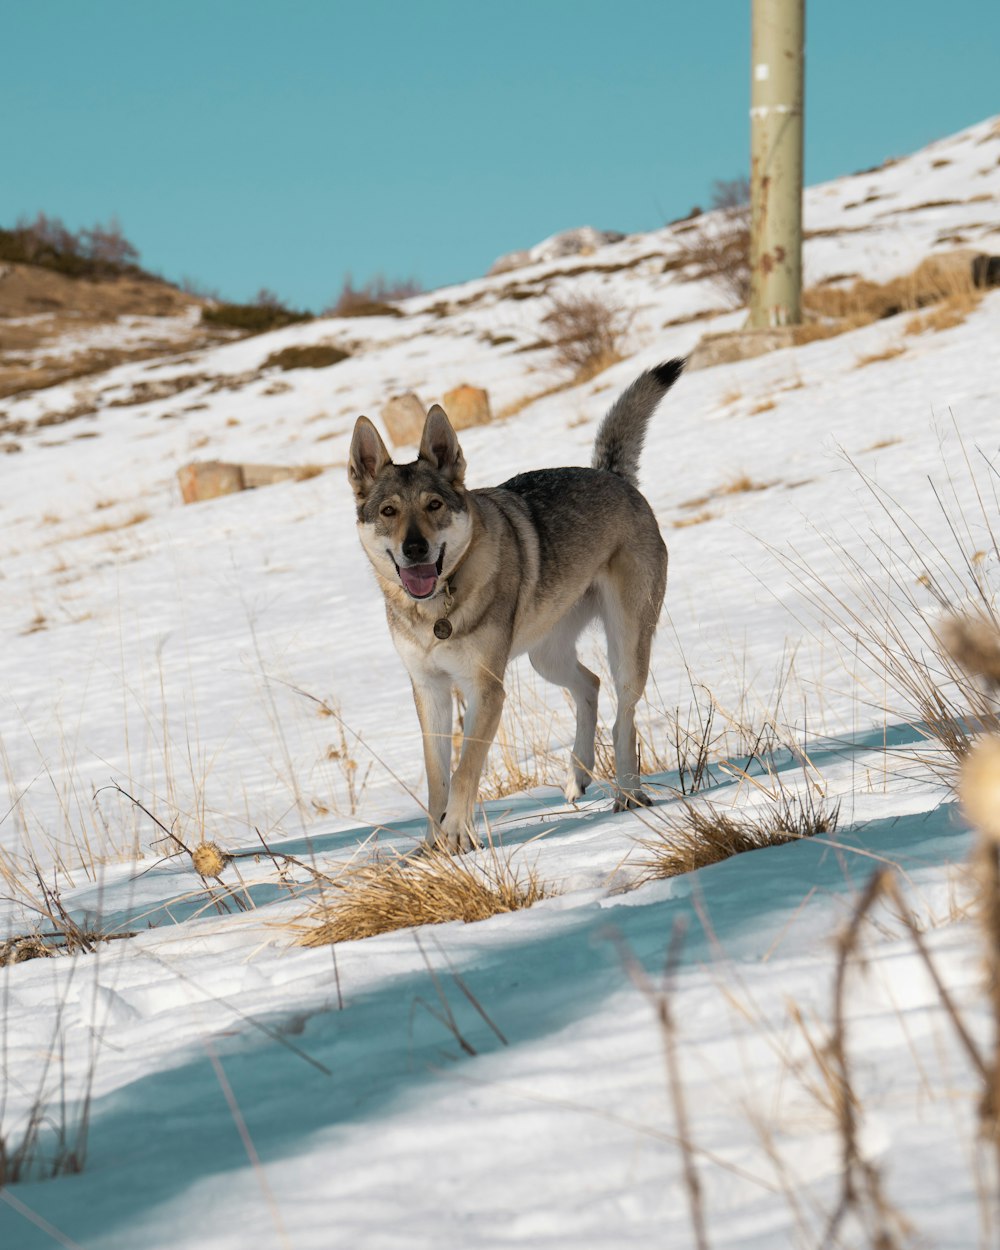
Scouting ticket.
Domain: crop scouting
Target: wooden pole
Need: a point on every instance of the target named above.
(776, 105)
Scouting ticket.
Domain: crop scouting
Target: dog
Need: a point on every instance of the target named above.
(472, 578)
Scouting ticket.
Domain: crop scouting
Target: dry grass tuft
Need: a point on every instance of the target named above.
(935, 279)
(888, 353)
(949, 313)
(943, 283)
(519, 405)
(738, 484)
(698, 518)
(108, 527)
(703, 835)
(597, 365)
(429, 888)
(741, 484)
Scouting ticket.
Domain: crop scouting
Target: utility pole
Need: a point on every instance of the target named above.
(776, 105)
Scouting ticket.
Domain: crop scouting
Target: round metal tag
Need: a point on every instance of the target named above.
(442, 628)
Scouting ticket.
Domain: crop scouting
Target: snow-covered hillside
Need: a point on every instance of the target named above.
(246, 1091)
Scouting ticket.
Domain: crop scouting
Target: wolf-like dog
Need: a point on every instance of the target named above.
(472, 578)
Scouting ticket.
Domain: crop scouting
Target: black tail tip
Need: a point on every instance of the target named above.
(668, 373)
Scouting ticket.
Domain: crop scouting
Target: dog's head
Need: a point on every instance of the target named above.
(413, 519)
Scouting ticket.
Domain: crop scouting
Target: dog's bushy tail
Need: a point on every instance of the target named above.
(620, 435)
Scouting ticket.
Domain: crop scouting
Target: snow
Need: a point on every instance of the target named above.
(166, 650)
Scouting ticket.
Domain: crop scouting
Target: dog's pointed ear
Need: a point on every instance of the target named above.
(367, 460)
(439, 445)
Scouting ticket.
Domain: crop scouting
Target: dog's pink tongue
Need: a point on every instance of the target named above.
(419, 579)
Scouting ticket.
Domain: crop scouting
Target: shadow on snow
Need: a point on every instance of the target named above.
(151, 1141)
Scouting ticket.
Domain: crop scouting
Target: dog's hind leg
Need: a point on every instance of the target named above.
(433, 700)
(631, 595)
(556, 660)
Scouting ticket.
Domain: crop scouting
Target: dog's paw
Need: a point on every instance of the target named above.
(636, 798)
(453, 837)
(575, 787)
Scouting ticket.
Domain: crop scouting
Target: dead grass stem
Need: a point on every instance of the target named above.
(861, 1189)
(659, 999)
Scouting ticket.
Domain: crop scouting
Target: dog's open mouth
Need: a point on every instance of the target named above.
(420, 580)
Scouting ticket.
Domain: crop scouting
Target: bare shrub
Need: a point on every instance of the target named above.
(53, 1141)
(730, 193)
(107, 245)
(691, 743)
(267, 312)
(587, 333)
(377, 297)
(95, 251)
(716, 245)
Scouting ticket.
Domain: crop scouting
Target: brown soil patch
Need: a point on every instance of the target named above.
(40, 309)
(27, 290)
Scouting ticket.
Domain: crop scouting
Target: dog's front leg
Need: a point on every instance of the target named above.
(482, 718)
(432, 696)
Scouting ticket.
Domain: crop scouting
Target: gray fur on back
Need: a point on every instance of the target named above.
(620, 435)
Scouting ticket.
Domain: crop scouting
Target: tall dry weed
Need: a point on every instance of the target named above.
(894, 608)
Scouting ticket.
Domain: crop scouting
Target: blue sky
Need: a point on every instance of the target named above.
(246, 144)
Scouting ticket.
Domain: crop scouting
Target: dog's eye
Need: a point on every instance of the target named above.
(388, 510)
(434, 505)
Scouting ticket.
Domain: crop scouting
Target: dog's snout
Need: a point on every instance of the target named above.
(415, 546)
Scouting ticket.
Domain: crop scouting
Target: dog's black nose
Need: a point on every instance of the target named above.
(415, 547)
